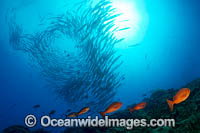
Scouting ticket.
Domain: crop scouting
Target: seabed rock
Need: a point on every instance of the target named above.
(186, 114)
(16, 129)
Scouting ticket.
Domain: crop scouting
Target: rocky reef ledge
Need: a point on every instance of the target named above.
(186, 114)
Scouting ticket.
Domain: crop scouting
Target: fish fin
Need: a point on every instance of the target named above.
(130, 110)
(102, 114)
(171, 104)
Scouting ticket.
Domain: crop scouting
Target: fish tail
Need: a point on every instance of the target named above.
(102, 114)
(171, 104)
(130, 110)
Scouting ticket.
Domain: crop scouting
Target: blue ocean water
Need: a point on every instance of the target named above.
(166, 55)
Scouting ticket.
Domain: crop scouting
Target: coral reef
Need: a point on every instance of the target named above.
(16, 129)
(186, 114)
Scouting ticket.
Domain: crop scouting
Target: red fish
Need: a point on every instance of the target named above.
(180, 96)
(73, 114)
(113, 107)
(83, 110)
(138, 107)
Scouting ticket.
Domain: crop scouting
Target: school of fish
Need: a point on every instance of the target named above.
(180, 96)
(86, 75)
(88, 70)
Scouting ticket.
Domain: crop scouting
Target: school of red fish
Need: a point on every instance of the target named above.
(180, 96)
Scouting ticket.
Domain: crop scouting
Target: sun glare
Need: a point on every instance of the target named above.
(129, 22)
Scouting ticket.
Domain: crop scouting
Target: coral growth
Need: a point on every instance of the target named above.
(186, 114)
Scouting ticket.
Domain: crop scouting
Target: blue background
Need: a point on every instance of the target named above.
(167, 57)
